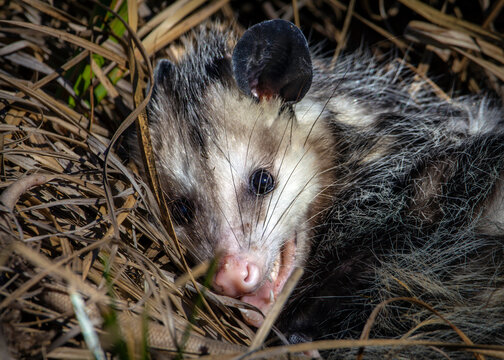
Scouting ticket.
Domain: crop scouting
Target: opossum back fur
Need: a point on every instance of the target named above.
(417, 212)
(415, 200)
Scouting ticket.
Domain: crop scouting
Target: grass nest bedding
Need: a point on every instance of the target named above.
(89, 266)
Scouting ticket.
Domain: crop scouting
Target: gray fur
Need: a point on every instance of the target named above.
(402, 183)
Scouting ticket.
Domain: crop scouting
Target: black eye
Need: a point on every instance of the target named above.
(181, 211)
(261, 182)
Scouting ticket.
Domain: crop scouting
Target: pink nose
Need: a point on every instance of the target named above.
(237, 276)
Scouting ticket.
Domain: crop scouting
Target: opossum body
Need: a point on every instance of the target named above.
(378, 191)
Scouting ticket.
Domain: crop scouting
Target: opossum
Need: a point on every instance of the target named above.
(270, 160)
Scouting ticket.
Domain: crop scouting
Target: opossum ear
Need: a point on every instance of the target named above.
(163, 68)
(220, 68)
(162, 72)
(272, 59)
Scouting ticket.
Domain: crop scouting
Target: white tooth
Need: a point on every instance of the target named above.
(272, 296)
(275, 270)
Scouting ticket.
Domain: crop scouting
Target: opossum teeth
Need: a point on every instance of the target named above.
(276, 269)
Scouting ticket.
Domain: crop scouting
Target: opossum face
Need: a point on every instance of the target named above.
(245, 177)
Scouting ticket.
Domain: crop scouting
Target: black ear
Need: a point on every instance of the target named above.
(163, 71)
(272, 59)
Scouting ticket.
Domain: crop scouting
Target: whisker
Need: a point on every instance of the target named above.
(287, 209)
(297, 195)
(249, 240)
(289, 122)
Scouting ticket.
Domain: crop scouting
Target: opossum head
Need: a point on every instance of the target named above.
(245, 176)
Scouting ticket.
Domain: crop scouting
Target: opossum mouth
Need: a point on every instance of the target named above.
(265, 296)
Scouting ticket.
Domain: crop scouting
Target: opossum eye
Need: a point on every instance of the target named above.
(261, 182)
(181, 212)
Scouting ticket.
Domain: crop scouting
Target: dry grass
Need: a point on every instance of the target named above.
(77, 222)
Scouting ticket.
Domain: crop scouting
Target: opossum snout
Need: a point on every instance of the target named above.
(250, 277)
(237, 275)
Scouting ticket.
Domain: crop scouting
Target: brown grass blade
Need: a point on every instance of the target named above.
(74, 39)
(53, 11)
(270, 319)
(162, 16)
(437, 17)
(150, 40)
(440, 36)
(372, 318)
(184, 26)
(133, 14)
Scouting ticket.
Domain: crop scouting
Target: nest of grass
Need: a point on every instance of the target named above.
(89, 264)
